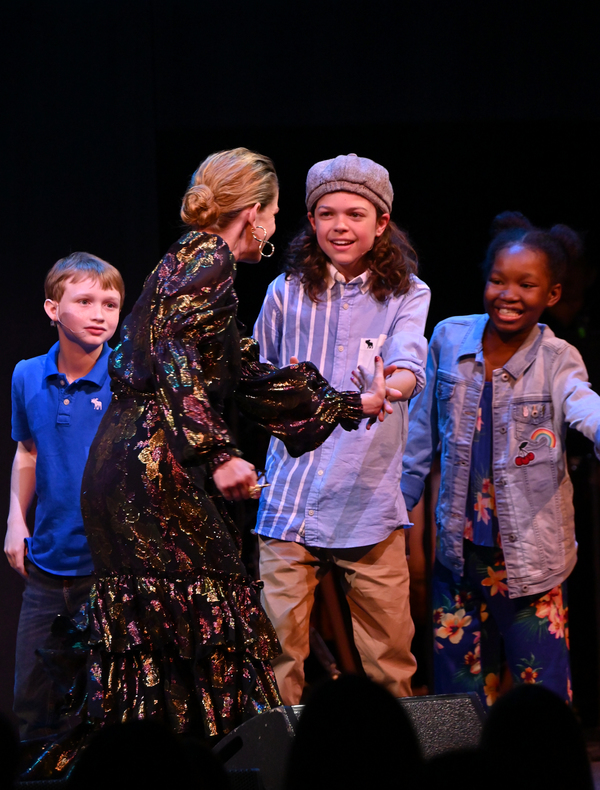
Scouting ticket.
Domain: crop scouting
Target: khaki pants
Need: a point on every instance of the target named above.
(376, 584)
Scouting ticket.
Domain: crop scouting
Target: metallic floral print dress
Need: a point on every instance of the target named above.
(181, 634)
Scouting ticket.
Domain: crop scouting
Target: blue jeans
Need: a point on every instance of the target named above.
(39, 689)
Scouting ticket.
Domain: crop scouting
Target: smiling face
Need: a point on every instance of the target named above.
(346, 226)
(86, 314)
(518, 290)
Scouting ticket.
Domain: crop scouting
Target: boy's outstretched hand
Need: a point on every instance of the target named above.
(376, 396)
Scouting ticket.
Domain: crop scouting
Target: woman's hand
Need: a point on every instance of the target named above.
(374, 392)
(235, 479)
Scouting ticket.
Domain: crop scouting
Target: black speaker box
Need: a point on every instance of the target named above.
(442, 722)
(262, 742)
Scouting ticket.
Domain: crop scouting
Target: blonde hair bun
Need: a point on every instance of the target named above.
(226, 183)
(200, 208)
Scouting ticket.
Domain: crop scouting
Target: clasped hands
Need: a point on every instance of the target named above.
(376, 396)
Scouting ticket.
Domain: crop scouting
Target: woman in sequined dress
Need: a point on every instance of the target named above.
(181, 635)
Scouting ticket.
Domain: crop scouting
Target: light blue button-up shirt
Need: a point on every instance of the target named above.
(347, 492)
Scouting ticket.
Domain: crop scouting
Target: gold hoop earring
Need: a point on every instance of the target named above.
(262, 242)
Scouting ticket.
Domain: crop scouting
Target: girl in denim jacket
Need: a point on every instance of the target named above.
(501, 390)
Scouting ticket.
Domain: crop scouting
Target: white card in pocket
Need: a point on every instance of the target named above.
(368, 349)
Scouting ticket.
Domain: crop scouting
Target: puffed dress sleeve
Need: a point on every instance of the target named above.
(295, 404)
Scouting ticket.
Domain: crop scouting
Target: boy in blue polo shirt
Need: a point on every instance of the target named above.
(58, 400)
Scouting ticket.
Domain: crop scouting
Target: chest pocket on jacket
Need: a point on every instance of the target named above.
(529, 416)
(444, 392)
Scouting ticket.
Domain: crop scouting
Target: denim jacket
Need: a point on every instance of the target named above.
(541, 390)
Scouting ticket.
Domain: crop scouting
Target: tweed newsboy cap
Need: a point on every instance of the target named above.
(350, 173)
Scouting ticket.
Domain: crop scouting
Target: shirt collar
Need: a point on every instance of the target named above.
(51, 365)
(472, 345)
(97, 374)
(333, 277)
(528, 351)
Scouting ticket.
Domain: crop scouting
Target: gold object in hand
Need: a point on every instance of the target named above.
(254, 491)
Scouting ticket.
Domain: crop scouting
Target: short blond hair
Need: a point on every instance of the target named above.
(79, 266)
(225, 184)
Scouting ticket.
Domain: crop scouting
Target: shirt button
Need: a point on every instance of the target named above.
(66, 401)
(503, 429)
(62, 383)
(340, 348)
(345, 305)
(512, 538)
(311, 512)
(525, 588)
(504, 377)
(320, 472)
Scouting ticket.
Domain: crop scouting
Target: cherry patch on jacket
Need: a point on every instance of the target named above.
(524, 457)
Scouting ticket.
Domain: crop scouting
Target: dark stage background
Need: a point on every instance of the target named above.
(109, 106)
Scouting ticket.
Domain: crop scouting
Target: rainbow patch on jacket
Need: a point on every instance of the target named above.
(545, 435)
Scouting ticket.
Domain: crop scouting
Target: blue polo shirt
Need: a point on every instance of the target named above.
(62, 419)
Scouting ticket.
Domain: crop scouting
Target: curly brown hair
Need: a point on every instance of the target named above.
(391, 261)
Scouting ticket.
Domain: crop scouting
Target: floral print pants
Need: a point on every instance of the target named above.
(477, 626)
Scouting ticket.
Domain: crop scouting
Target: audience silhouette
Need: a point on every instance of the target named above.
(9, 753)
(353, 734)
(146, 754)
(532, 740)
